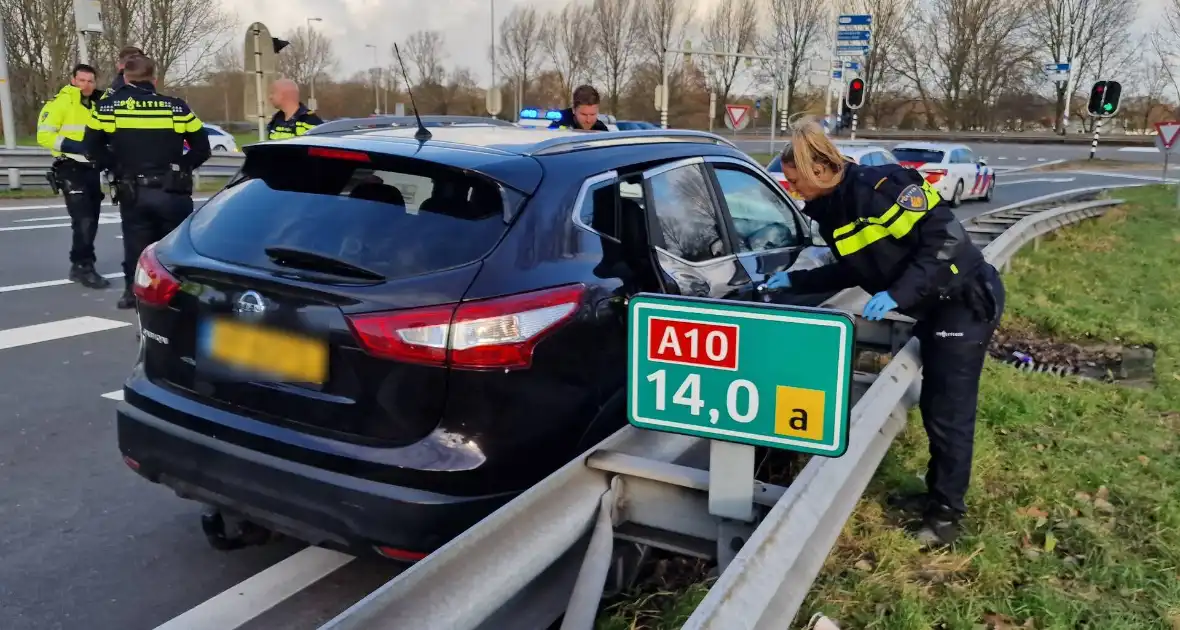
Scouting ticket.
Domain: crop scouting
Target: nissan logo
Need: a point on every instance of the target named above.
(250, 302)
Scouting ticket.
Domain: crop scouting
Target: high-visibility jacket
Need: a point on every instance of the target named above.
(62, 123)
(280, 127)
(890, 231)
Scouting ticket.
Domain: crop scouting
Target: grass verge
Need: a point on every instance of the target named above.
(208, 185)
(1076, 492)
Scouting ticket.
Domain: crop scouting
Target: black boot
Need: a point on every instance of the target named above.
(85, 275)
(940, 527)
(127, 300)
(912, 502)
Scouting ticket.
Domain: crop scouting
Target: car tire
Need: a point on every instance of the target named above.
(991, 189)
(221, 147)
(957, 197)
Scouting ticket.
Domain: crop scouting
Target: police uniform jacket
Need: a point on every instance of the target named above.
(568, 121)
(117, 83)
(280, 127)
(62, 123)
(137, 131)
(890, 231)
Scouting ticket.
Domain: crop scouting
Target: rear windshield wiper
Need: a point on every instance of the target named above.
(303, 259)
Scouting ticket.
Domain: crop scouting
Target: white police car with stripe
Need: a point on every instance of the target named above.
(952, 169)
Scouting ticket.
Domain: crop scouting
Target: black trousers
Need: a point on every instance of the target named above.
(149, 217)
(954, 336)
(83, 194)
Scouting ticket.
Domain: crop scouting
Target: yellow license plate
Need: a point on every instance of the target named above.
(283, 355)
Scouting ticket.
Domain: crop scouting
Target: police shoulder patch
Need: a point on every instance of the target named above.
(912, 198)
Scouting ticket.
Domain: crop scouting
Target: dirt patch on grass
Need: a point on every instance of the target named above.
(1021, 345)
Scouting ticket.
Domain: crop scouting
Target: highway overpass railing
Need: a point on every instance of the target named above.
(548, 552)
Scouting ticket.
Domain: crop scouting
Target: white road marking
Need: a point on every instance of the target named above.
(239, 604)
(108, 215)
(20, 228)
(50, 331)
(62, 206)
(115, 395)
(1144, 178)
(1139, 150)
(1040, 159)
(49, 283)
(1001, 158)
(1029, 168)
(1038, 179)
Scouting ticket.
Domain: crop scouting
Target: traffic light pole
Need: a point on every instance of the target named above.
(1094, 144)
(854, 117)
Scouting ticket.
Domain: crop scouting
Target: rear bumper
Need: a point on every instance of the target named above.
(318, 506)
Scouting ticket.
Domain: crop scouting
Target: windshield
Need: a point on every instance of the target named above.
(918, 155)
(396, 220)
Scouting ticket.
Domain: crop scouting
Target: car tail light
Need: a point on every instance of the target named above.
(338, 154)
(498, 333)
(934, 175)
(400, 555)
(153, 283)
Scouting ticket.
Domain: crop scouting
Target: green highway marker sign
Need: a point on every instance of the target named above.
(759, 374)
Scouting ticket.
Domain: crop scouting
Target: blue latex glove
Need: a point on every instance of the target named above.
(780, 280)
(878, 306)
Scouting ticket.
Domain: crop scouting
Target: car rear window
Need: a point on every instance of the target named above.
(397, 217)
(918, 155)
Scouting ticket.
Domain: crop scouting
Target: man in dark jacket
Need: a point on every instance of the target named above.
(584, 113)
(125, 53)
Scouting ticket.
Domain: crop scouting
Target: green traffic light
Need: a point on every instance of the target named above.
(1108, 107)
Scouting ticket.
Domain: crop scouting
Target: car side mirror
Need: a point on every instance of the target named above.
(816, 239)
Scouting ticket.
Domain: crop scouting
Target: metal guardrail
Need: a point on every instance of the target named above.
(30, 165)
(548, 551)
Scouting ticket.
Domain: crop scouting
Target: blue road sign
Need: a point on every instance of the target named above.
(855, 20)
(1057, 67)
(852, 50)
(757, 103)
(837, 74)
(852, 65)
(852, 36)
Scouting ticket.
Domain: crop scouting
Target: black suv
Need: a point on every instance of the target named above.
(369, 341)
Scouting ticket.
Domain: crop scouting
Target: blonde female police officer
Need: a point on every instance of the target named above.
(893, 236)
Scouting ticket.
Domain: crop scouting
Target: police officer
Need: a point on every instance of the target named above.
(125, 53)
(584, 113)
(139, 135)
(893, 236)
(293, 118)
(60, 128)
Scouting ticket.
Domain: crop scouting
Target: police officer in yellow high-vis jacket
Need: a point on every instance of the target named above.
(60, 128)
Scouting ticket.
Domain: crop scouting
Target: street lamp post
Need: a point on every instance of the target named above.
(376, 82)
(311, 104)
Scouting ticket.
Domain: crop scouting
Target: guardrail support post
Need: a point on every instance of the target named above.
(1037, 244)
(582, 609)
(731, 496)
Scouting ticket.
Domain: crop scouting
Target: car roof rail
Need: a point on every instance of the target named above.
(394, 122)
(603, 139)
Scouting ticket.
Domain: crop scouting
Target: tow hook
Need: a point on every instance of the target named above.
(228, 534)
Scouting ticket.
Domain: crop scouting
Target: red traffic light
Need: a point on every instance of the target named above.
(857, 84)
(1099, 88)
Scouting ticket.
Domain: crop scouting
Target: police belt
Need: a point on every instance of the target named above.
(154, 180)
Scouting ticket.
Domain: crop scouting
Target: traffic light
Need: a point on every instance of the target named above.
(856, 93)
(1104, 98)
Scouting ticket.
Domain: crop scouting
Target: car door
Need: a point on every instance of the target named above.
(766, 231)
(682, 226)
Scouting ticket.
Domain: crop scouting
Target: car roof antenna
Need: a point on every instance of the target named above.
(423, 134)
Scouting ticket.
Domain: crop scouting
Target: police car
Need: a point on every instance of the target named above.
(953, 169)
(862, 153)
(541, 118)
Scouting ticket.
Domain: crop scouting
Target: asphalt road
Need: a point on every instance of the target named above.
(1002, 154)
(86, 543)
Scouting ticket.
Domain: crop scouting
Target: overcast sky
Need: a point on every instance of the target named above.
(466, 24)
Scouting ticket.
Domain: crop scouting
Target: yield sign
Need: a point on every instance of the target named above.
(1168, 131)
(737, 116)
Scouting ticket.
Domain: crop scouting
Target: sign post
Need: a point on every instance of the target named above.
(742, 375)
(1167, 133)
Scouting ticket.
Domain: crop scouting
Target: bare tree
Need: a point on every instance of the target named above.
(614, 24)
(796, 27)
(520, 47)
(1077, 32)
(309, 56)
(732, 27)
(569, 44)
(41, 43)
(172, 30)
(660, 25)
(426, 50)
(888, 20)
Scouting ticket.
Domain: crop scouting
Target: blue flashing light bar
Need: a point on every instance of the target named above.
(538, 114)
